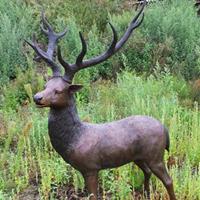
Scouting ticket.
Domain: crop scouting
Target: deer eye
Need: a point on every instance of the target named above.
(58, 92)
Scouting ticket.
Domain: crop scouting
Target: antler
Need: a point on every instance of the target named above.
(52, 41)
(71, 69)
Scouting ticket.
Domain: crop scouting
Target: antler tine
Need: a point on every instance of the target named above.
(111, 50)
(61, 60)
(53, 37)
(115, 39)
(45, 56)
(140, 11)
(80, 64)
(133, 25)
(49, 31)
(69, 70)
(83, 52)
(46, 24)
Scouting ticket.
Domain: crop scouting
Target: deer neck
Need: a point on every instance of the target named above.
(64, 127)
(65, 116)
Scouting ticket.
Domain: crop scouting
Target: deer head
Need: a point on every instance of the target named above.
(59, 88)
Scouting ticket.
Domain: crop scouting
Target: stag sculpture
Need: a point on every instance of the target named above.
(88, 147)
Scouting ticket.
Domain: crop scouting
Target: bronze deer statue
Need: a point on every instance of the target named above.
(88, 147)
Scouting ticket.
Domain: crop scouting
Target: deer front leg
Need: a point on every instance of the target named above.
(91, 183)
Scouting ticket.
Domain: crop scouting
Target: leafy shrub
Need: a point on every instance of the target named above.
(174, 26)
(168, 39)
(20, 90)
(16, 24)
(86, 13)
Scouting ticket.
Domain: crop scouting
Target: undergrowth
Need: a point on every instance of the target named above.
(16, 25)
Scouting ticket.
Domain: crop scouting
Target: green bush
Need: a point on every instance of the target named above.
(86, 13)
(168, 39)
(16, 25)
(173, 29)
(20, 90)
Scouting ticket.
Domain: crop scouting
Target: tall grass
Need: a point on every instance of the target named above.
(27, 157)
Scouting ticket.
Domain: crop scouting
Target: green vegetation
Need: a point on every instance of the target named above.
(152, 75)
(168, 40)
(16, 24)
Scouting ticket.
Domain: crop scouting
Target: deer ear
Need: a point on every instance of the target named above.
(74, 88)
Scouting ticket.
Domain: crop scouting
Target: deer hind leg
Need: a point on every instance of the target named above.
(91, 183)
(147, 175)
(160, 171)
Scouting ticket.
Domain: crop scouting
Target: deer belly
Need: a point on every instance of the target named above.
(116, 157)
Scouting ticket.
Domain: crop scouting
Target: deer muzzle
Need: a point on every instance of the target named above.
(37, 99)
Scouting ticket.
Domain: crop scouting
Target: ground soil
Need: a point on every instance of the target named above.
(64, 192)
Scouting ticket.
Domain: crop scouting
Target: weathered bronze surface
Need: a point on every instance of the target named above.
(92, 147)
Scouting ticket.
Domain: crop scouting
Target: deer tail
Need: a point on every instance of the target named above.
(167, 139)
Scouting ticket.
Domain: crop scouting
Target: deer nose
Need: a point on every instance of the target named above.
(37, 98)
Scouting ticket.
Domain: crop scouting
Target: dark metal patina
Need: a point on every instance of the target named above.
(92, 147)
